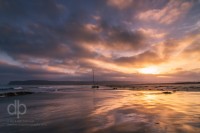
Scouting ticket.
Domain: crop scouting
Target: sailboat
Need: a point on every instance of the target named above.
(94, 86)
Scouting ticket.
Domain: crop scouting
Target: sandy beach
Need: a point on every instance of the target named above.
(83, 110)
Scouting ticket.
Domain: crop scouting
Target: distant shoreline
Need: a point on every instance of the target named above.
(46, 82)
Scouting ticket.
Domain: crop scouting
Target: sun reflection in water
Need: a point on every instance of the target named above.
(135, 107)
(150, 97)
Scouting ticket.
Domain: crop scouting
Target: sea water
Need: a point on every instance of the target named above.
(80, 109)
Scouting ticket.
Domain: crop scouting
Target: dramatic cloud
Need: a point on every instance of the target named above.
(167, 15)
(165, 57)
(121, 39)
(152, 33)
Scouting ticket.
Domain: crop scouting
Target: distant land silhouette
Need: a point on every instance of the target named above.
(46, 82)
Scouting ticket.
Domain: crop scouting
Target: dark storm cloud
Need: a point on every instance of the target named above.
(12, 69)
(118, 37)
(140, 60)
(40, 43)
(56, 29)
(12, 72)
(40, 29)
(22, 10)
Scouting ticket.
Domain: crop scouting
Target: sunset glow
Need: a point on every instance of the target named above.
(100, 66)
(149, 70)
(128, 39)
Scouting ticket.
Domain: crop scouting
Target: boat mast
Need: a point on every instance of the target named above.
(94, 86)
(93, 75)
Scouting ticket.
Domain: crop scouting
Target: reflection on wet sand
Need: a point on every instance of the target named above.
(107, 111)
(132, 111)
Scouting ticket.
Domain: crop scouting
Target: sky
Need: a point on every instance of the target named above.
(123, 40)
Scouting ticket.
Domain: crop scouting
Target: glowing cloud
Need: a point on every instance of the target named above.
(167, 15)
(121, 4)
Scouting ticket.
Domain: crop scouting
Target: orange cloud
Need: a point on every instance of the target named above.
(175, 47)
(182, 53)
(92, 28)
(167, 15)
(111, 66)
(162, 58)
(152, 33)
(120, 4)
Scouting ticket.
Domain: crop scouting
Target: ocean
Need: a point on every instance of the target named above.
(80, 109)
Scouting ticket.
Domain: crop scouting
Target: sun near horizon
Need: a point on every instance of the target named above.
(149, 70)
(128, 40)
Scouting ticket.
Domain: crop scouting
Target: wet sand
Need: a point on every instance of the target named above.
(104, 111)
